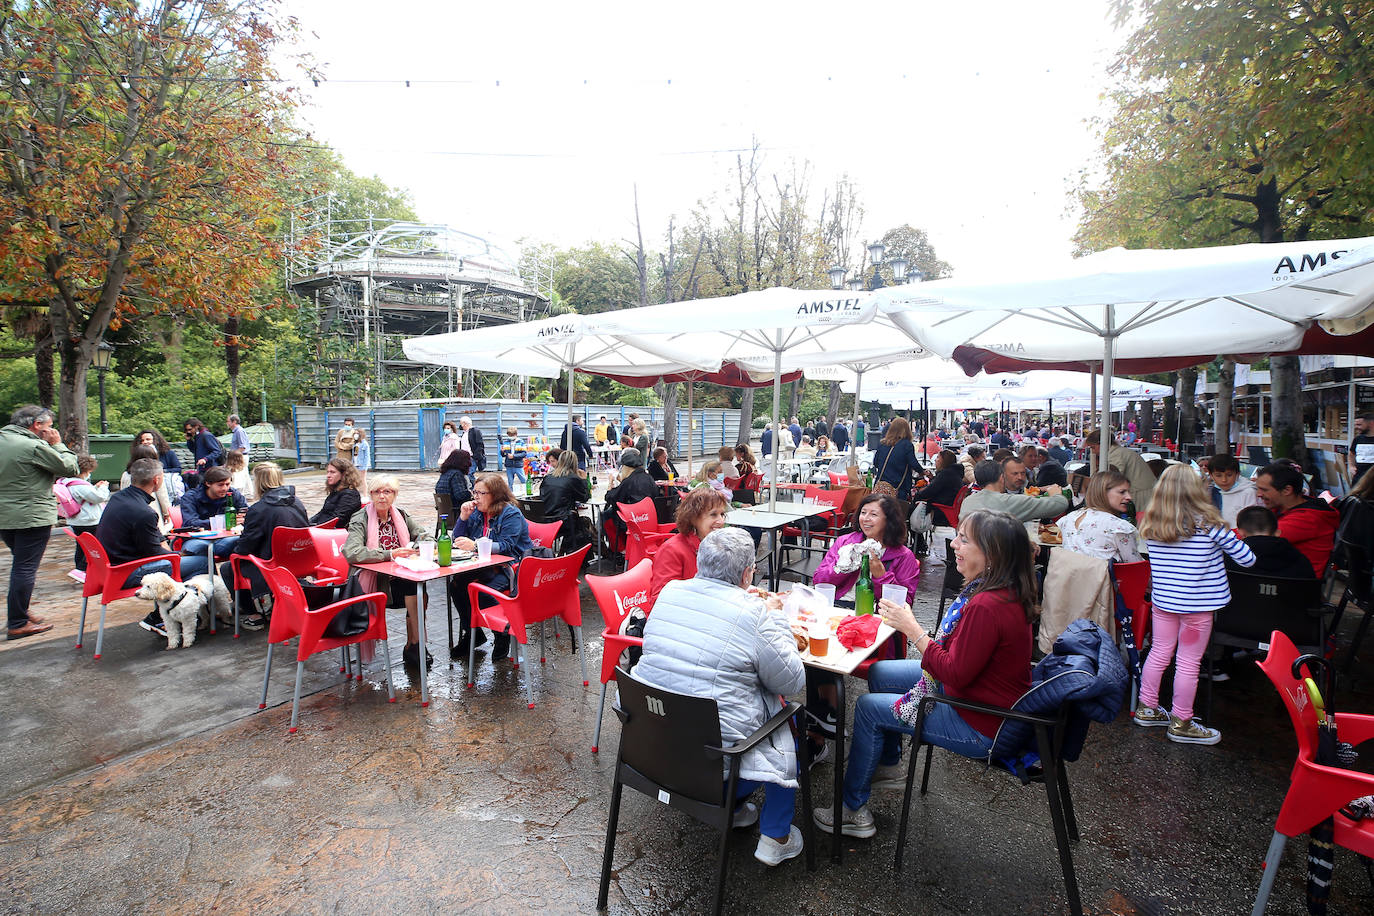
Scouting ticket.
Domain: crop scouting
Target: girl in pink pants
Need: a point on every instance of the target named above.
(1187, 542)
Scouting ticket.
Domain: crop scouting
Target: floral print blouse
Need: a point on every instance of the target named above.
(1100, 534)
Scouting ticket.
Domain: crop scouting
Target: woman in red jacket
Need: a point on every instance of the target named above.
(701, 511)
(982, 652)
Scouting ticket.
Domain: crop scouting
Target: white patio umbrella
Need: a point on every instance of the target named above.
(1166, 305)
(774, 331)
(551, 346)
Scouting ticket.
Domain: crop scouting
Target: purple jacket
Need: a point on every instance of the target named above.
(902, 568)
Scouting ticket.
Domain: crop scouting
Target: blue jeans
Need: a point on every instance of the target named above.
(190, 566)
(878, 732)
(775, 817)
(514, 474)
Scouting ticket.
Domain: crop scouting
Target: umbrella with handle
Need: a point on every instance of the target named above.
(773, 331)
(1160, 309)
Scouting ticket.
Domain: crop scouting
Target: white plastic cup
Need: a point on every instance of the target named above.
(827, 591)
(484, 548)
(427, 551)
(894, 593)
(216, 523)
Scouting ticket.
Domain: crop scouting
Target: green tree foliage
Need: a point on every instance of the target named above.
(913, 244)
(1237, 123)
(595, 278)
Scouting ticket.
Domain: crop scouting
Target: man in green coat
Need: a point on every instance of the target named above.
(32, 457)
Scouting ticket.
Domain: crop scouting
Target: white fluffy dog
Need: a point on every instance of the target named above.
(183, 605)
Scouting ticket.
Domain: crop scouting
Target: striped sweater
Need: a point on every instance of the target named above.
(1189, 577)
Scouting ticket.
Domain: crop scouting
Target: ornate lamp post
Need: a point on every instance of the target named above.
(104, 353)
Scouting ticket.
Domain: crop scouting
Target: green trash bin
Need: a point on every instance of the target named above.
(111, 452)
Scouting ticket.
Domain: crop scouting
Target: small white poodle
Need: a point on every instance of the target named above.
(183, 605)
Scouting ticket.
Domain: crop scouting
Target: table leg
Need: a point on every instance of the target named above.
(210, 568)
(837, 812)
(774, 555)
(423, 601)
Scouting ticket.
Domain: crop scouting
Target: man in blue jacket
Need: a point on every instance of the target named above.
(575, 439)
(212, 498)
(206, 452)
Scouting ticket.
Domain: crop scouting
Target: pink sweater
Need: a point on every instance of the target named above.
(902, 567)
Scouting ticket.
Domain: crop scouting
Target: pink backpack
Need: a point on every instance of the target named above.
(67, 504)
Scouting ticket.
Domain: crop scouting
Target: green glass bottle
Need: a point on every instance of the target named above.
(444, 550)
(863, 592)
(529, 484)
(231, 517)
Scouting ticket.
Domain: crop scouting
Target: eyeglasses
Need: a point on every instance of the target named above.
(480, 492)
(385, 490)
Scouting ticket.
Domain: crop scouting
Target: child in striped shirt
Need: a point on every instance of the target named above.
(1187, 539)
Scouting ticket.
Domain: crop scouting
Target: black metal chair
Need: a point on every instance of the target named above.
(1262, 604)
(1048, 732)
(671, 750)
(1354, 553)
(1257, 455)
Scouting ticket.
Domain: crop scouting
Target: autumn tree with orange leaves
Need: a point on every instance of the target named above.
(140, 173)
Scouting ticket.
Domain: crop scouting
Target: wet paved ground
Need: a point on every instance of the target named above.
(148, 782)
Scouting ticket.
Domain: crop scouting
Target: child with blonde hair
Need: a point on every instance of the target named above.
(1187, 541)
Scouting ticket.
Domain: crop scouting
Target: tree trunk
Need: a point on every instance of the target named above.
(746, 415)
(794, 401)
(1170, 417)
(231, 360)
(668, 392)
(173, 349)
(1147, 418)
(1225, 389)
(71, 395)
(1187, 404)
(832, 409)
(1285, 385)
(43, 366)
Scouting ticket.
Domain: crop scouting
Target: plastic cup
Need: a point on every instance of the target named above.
(484, 548)
(820, 640)
(216, 523)
(894, 593)
(827, 590)
(427, 551)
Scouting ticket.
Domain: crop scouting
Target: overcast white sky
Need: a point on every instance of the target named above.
(536, 120)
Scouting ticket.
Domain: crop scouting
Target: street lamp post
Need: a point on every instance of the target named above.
(104, 353)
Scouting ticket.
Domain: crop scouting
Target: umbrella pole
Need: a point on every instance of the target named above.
(690, 387)
(854, 433)
(1108, 369)
(777, 402)
(1092, 406)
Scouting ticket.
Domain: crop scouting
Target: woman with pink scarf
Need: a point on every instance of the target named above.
(383, 531)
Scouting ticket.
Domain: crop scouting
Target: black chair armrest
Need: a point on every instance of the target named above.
(778, 721)
(998, 711)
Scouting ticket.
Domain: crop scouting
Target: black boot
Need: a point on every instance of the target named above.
(501, 648)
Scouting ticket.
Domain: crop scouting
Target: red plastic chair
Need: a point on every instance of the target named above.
(959, 498)
(293, 549)
(291, 619)
(642, 541)
(108, 582)
(174, 515)
(838, 481)
(544, 589)
(332, 568)
(1133, 584)
(1315, 792)
(328, 523)
(646, 512)
(618, 597)
(543, 534)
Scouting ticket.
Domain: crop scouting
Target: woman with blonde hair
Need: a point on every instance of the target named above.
(710, 476)
(278, 507)
(1187, 541)
(236, 463)
(384, 531)
(641, 436)
(1100, 529)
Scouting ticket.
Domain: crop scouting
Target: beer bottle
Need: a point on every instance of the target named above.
(863, 592)
(444, 550)
(231, 517)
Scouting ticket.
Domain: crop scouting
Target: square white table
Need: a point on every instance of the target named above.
(782, 514)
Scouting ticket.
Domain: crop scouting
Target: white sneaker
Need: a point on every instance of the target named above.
(853, 823)
(770, 852)
(746, 815)
(889, 776)
(821, 756)
(77, 574)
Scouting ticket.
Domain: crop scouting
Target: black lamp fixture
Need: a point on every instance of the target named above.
(101, 359)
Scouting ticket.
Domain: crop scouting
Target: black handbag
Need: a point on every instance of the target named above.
(351, 620)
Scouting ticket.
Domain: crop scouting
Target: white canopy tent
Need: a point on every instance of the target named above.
(774, 331)
(1148, 304)
(551, 346)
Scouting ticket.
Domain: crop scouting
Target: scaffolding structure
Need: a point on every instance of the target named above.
(371, 283)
